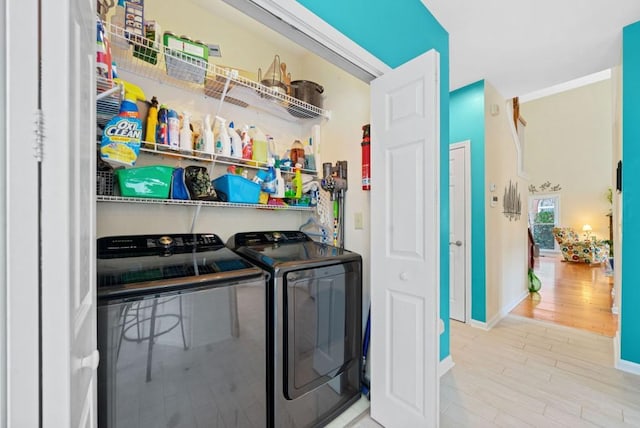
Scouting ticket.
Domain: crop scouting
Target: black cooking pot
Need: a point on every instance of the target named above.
(309, 92)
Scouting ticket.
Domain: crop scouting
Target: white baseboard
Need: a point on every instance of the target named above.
(445, 365)
(494, 320)
(478, 324)
(620, 364)
(501, 314)
(628, 366)
(511, 306)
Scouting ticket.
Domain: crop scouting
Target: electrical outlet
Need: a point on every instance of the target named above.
(357, 220)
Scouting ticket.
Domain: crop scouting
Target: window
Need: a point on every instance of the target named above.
(544, 214)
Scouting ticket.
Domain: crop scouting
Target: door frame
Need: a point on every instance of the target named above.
(466, 145)
(301, 26)
(20, 237)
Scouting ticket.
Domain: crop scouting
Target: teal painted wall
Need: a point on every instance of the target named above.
(396, 32)
(630, 299)
(466, 113)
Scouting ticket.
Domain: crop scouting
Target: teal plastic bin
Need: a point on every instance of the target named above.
(235, 188)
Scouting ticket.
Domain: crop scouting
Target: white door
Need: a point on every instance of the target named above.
(458, 240)
(405, 279)
(69, 349)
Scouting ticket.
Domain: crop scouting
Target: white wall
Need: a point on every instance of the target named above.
(506, 244)
(569, 142)
(348, 100)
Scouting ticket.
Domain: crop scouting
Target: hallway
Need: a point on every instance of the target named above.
(572, 294)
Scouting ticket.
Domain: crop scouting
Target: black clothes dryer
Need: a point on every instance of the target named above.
(314, 319)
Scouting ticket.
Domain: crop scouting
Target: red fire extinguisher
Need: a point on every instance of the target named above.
(366, 158)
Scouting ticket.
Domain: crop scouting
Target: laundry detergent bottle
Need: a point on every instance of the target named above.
(236, 142)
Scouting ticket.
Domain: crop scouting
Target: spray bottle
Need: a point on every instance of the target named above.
(209, 144)
(186, 144)
(223, 142)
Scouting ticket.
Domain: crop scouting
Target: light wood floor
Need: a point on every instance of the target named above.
(525, 373)
(572, 294)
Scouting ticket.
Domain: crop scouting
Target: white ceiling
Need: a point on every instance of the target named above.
(521, 46)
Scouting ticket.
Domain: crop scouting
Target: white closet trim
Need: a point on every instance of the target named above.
(291, 19)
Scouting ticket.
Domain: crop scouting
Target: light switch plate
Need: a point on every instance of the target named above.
(357, 220)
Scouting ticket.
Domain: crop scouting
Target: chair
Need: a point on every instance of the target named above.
(573, 249)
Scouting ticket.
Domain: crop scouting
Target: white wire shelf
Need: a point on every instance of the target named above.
(152, 60)
(108, 99)
(121, 199)
(159, 149)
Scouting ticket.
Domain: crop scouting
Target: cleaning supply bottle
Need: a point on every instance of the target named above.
(269, 185)
(173, 130)
(279, 184)
(273, 151)
(162, 131)
(122, 134)
(236, 142)
(209, 144)
(186, 143)
(129, 108)
(152, 122)
(309, 156)
(260, 146)
(296, 154)
(223, 141)
(119, 38)
(297, 181)
(247, 147)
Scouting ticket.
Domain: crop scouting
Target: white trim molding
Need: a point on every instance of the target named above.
(479, 324)
(628, 366)
(299, 24)
(619, 363)
(445, 365)
(500, 315)
(466, 145)
(562, 87)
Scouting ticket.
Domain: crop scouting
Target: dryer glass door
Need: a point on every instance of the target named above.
(321, 319)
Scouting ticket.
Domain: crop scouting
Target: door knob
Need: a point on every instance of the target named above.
(404, 276)
(457, 243)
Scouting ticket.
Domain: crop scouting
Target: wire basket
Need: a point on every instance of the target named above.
(104, 183)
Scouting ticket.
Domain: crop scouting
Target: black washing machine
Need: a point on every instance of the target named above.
(314, 319)
(181, 333)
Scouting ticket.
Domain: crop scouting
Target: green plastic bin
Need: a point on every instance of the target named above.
(145, 181)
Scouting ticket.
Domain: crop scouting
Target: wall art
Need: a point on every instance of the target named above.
(511, 202)
(545, 187)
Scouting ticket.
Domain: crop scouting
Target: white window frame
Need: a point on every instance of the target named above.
(556, 217)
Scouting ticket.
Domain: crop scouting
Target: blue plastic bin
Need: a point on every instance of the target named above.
(235, 188)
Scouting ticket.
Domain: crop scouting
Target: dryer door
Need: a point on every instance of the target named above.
(322, 319)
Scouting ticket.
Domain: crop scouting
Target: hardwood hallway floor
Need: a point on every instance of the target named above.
(572, 294)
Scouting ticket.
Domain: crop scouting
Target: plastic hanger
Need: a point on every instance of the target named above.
(311, 221)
